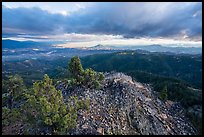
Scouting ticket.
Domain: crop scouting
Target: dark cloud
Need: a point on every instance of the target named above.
(30, 20)
(127, 19)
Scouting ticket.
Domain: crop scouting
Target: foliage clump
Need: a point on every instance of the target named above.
(76, 69)
(163, 94)
(10, 116)
(80, 77)
(42, 110)
(13, 90)
(46, 108)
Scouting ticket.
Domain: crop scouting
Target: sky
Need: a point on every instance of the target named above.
(82, 24)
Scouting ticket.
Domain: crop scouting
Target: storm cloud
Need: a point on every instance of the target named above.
(131, 20)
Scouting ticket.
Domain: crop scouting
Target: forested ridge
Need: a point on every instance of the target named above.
(169, 82)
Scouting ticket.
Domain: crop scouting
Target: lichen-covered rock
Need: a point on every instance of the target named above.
(123, 106)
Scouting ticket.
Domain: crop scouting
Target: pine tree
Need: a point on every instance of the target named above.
(87, 78)
(76, 69)
(46, 108)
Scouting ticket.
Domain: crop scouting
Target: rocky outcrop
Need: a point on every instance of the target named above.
(124, 106)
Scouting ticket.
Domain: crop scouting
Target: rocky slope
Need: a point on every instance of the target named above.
(124, 106)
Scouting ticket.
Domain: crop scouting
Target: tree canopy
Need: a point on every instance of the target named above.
(88, 78)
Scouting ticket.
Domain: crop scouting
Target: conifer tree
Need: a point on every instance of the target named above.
(87, 78)
(46, 108)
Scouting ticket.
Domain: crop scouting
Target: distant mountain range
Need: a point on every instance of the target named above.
(22, 50)
(151, 48)
(12, 44)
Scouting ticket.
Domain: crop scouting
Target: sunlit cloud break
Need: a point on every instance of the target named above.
(88, 40)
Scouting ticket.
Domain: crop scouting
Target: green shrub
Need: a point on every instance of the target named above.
(76, 69)
(13, 91)
(80, 77)
(163, 93)
(46, 107)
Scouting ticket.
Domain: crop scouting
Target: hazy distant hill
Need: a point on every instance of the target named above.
(151, 48)
(12, 44)
(23, 50)
(102, 47)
